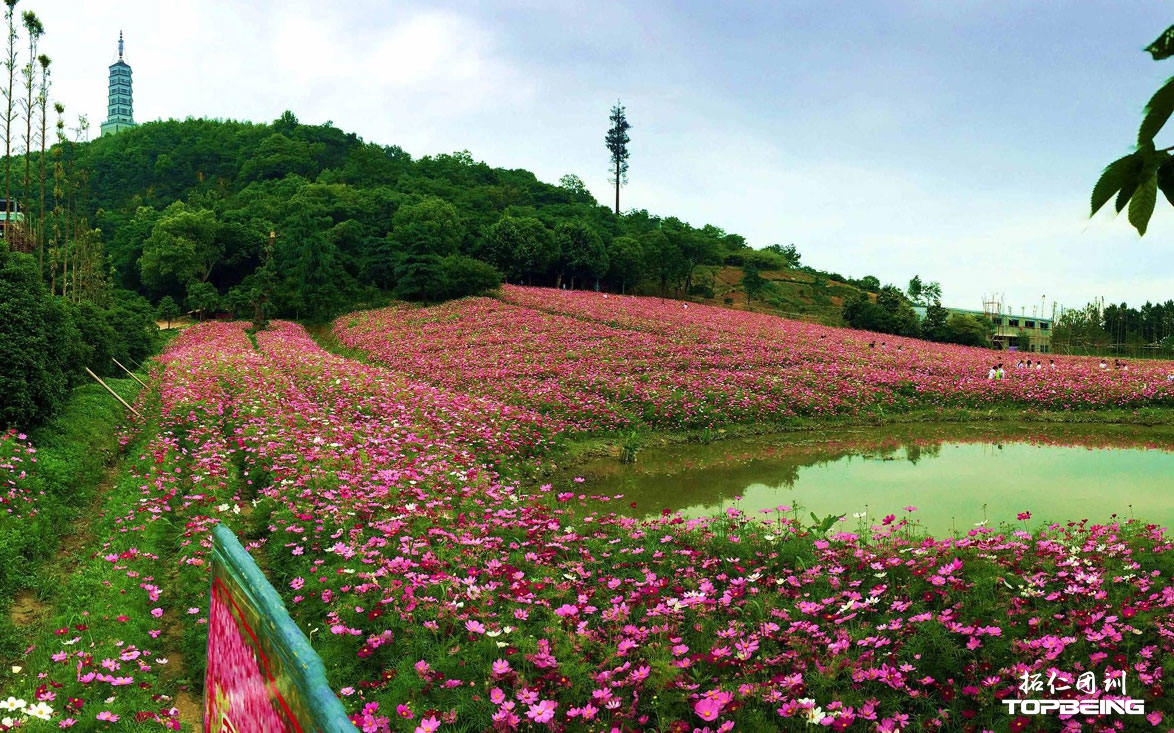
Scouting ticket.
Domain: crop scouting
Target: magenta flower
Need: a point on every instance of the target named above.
(542, 712)
(708, 708)
(428, 725)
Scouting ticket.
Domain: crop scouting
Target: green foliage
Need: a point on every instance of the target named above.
(1163, 45)
(752, 281)
(933, 327)
(431, 278)
(625, 261)
(968, 330)
(182, 249)
(521, 247)
(1157, 112)
(582, 251)
(180, 202)
(1141, 204)
(891, 313)
(577, 188)
(430, 227)
(1135, 178)
(41, 347)
(133, 319)
(663, 261)
(167, 310)
(789, 254)
(466, 276)
(203, 299)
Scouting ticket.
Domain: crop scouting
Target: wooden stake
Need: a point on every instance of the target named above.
(124, 404)
(129, 372)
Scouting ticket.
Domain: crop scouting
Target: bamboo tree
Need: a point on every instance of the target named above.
(43, 102)
(57, 248)
(10, 64)
(35, 29)
(79, 224)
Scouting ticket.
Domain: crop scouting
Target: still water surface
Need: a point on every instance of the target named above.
(955, 476)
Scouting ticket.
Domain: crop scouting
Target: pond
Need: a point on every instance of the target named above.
(956, 477)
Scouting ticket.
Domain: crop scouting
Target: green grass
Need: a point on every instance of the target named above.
(73, 451)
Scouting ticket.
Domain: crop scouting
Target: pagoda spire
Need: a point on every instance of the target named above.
(120, 109)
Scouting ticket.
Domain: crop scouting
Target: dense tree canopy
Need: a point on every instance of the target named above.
(180, 203)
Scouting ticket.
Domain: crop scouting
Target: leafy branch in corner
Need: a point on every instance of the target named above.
(1135, 179)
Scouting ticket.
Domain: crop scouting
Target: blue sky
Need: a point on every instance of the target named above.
(954, 140)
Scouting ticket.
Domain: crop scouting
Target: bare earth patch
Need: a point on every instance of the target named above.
(27, 610)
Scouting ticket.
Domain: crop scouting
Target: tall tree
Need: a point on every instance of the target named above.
(43, 103)
(34, 29)
(583, 253)
(752, 281)
(617, 142)
(10, 64)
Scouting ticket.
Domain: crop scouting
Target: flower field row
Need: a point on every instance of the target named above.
(606, 362)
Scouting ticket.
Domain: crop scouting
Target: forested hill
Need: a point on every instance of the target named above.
(186, 209)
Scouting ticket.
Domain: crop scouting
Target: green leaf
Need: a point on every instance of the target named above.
(1141, 206)
(1163, 45)
(1113, 178)
(1166, 179)
(1157, 112)
(1132, 178)
(1117, 175)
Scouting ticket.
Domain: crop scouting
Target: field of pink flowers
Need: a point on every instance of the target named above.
(443, 594)
(605, 362)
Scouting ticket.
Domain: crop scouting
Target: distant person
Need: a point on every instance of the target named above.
(1001, 373)
(993, 373)
(1029, 363)
(1051, 363)
(1039, 364)
(1104, 365)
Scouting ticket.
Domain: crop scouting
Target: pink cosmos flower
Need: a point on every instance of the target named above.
(543, 712)
(708, 708)
(428, 725)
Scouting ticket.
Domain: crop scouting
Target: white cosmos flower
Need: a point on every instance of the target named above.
(41, 710)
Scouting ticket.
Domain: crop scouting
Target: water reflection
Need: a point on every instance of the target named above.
(956, 476)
